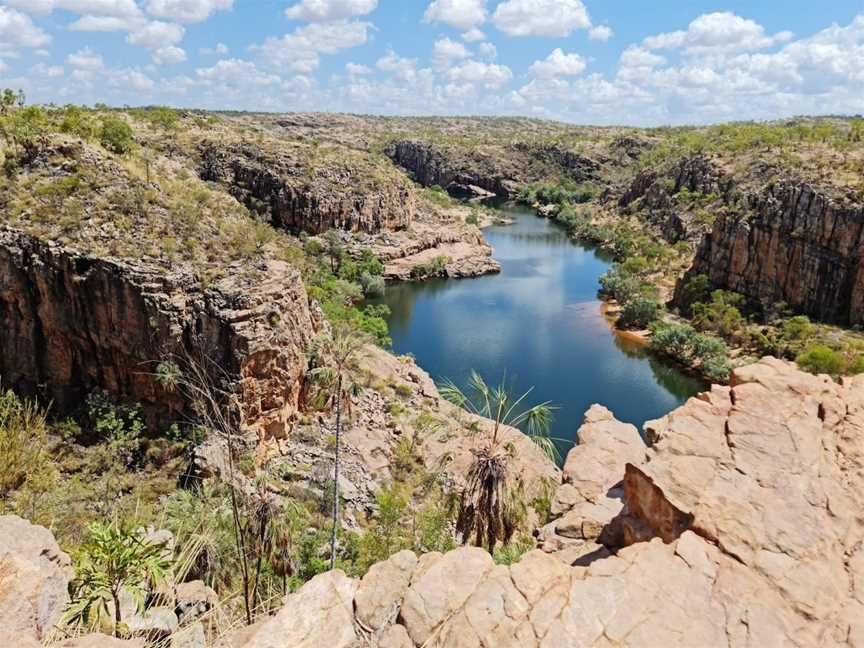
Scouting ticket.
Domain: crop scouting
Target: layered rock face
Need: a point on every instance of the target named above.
(73, 323)
(795, 245)
(500, 170)
(296, 196)
(738, 526)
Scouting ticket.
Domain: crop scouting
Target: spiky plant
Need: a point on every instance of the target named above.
(492, 505)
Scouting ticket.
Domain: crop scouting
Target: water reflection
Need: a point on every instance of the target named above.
(538, 322)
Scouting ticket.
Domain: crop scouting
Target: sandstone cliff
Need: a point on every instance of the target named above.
(738, 526)
(73, 323)
(304, 187)
(792, 244)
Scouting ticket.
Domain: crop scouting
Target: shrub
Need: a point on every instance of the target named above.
(639, 313)
(435, 268)
(819, 358)
(683, 344)
(79, 122)
(721, 315)
(116, 135)
(373, 285)
(23, 444)
(696, 289)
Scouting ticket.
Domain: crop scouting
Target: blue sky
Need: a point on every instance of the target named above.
(585, 61)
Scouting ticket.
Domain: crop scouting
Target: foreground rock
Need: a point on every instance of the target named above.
(34, 574)
(737, 527)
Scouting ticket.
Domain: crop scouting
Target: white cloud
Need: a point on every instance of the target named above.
(558, 64)
(489, 75)
(187, 10)
(327, 10)
(117, 8)
(169, 55)
(600, 33)
(355, 69)
(18, 31)
(553, 18)
(3, 66)
(221, 48)
(156, 34)
(445, 50)
(299, 50)
(487, 51)
(236, 72)
(461, 14)
(718, 32)
(402, 69)
(85, 59)
(40, 70)
(473, 35)
(106, 24)
(128, 78)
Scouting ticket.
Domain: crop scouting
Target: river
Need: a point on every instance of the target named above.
(539, 324)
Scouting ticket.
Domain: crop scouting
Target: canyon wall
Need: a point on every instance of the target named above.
(795, 245)
(71, 324)
(300, 197)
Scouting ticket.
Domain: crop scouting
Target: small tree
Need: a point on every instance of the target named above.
(491, 505)
(115, 558)
(339, 349)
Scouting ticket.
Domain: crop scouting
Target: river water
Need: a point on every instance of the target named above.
(539, 324)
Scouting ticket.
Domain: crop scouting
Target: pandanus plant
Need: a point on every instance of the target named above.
(491, 506)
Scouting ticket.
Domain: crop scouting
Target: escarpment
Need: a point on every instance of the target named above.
(72, 323)
(793, 244)
(306, 188)
(501, 169)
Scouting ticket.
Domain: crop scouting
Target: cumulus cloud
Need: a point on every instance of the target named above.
(220, 48)
(18, 31)
(718, 32)
(169, 55)
(473, 35)
(355, 69)
(489, 75)
(41, 70)
(85, 59)
(156, 34)
(236, 72)
(445, 50)
(326, 10)
(487, 51)
(299, 51)
(117, 8)
(402, 69)
(553, 18)
(558, 64)
(461, 14)
(600, 33)
(190, 11)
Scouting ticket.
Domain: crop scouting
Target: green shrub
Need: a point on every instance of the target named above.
(80, 122)
(819, 358)
(639, 313)
(721, 315)
(116, 135)
(435, 268)
(682, 343)
(23, 444)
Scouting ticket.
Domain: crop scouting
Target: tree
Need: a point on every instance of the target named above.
(339, 349)
(116, 135)
(115, 558)
(491, 506)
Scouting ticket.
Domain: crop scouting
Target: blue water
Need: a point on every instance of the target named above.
(539, 323)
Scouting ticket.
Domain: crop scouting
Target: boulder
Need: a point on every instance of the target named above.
(382, 588)
(34, 577)
(192, 599)
(321, 613)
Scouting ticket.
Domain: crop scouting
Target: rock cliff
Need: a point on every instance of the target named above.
(299, 188)
(737, 526)
(73, 323)
(793, 244)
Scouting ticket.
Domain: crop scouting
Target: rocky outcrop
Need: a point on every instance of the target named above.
(34, 575)
(74, 323)
(794, 245)
(739, 527)
(298, 192)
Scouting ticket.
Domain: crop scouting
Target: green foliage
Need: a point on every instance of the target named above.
(513, 551)
(696, 289)
(557, 194)
(434, 268)
(116, 135)
(819, 359)
(114, 559)
(158, 116)
(722, 315)
(24, 455)
(80, 122)
(120, 425)
(438, 196)
(639, 313)
(682, 343)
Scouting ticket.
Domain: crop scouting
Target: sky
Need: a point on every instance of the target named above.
(628, 62)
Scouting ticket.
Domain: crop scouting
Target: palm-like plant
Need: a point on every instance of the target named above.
(491, 506)
(115, 558)
(339, 349)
